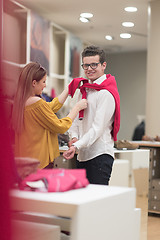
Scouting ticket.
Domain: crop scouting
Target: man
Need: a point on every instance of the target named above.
(93, 136)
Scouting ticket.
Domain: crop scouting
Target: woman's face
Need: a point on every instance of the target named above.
(39, 86)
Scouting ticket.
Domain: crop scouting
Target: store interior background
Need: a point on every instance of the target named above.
(129, 68)
(136, 72)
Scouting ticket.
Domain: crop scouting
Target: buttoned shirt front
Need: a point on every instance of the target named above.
(94, 131)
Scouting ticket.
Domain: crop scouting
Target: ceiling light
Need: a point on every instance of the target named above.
(83, 19)
(86, 15)
(125, 35)
(128, 24)
(108, 37)
(130, 9)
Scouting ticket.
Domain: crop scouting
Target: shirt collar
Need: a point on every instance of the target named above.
(99, 80)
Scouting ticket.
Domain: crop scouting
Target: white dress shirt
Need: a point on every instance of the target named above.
(94, 131)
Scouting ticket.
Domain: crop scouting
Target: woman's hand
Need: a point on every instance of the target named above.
(82, 104)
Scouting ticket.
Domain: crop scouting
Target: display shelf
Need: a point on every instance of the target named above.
(154, 181)
(58, 42)
(14, 53)
(154, 175)
(15, 33)
(100, 206)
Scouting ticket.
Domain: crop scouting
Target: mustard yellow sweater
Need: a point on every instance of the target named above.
(39, 136)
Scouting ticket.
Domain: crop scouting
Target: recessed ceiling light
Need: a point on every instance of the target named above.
(128, 24)
(108, 37)
(130, 9)
(86, 15)
(83, 19)
(125, 35)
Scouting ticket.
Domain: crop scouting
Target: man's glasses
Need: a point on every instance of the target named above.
(92, 65)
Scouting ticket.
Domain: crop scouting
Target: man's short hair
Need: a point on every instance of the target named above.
(93, 51)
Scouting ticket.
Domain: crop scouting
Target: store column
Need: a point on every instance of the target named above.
(153, 71)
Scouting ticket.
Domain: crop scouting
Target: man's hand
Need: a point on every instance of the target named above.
(72, 141)
(69, 153)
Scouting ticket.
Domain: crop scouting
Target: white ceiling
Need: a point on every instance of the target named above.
(107, 20)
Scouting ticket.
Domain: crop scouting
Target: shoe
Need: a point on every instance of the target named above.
(124, 144)
(147, 138)
(157, 138)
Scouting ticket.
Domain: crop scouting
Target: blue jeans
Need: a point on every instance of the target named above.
(98, 169)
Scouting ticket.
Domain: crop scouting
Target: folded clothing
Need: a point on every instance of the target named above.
(55, 180)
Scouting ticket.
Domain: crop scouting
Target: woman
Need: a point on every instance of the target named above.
(34, 120)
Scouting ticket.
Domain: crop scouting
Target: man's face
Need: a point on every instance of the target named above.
(98, 70)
